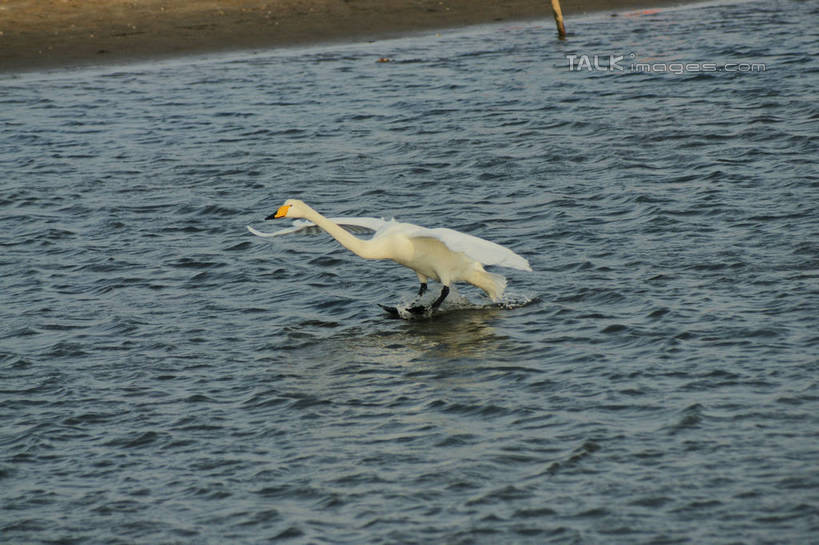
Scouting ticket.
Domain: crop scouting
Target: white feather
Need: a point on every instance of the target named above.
(481, 250)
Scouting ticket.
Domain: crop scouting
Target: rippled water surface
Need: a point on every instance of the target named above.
(166, 377)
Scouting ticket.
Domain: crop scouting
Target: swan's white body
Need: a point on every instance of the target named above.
(440, 254)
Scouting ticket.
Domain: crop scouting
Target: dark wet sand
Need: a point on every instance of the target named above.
(36, 34)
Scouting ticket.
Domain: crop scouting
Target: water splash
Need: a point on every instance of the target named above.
(456, 302)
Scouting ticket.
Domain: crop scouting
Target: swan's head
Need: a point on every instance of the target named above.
(292, 208)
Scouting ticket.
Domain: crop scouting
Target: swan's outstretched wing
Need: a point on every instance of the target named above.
(482, 251)
(354, 225)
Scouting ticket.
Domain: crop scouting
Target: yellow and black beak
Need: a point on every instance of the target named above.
(280, 213)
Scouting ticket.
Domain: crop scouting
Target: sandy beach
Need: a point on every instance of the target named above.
(37, 34)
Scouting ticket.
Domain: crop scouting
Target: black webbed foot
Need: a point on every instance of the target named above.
(392, 311)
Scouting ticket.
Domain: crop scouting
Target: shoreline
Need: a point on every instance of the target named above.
(50, 34)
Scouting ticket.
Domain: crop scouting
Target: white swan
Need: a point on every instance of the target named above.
(439, 254)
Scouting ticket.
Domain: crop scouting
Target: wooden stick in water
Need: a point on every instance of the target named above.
(558, 13)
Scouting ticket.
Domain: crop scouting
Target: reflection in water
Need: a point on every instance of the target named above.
(452, 335)
(457, 334)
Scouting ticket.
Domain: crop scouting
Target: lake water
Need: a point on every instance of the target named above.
(166, 377)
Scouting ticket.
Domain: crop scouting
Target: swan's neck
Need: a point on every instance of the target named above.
(359, 247)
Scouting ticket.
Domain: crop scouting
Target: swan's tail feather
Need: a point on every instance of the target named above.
(493, 284)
